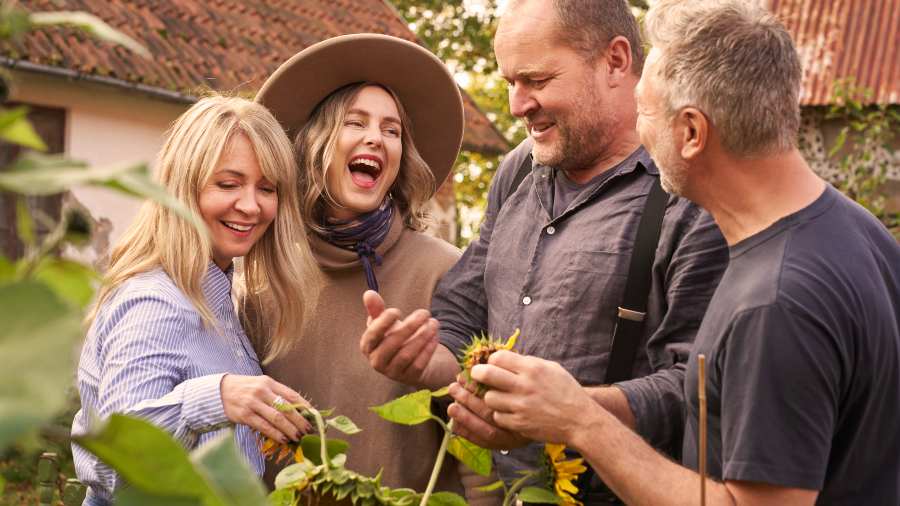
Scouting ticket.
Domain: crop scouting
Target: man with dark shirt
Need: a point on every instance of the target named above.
(801, 337)
(553, 254)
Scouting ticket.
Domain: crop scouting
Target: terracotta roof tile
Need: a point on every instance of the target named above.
(228, 45)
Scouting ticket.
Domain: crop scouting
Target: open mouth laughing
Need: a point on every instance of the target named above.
(365, 170)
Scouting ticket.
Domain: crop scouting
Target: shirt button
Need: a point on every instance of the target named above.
(551, 230)
(526, 300)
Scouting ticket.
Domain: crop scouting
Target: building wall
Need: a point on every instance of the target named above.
(104, 126)
(818, 135)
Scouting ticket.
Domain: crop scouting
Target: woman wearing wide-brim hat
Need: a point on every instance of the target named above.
(377, 123)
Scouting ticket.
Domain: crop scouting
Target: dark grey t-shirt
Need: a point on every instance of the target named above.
(803, 358)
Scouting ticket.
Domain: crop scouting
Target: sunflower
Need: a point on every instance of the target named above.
(480, 349)
(561, 473)
(272, 449)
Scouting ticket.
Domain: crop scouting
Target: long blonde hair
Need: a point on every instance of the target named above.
(315, 145)
(279, 267)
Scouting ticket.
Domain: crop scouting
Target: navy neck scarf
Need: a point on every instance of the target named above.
(362, 235)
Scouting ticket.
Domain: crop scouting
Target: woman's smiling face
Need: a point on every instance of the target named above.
(367, 156)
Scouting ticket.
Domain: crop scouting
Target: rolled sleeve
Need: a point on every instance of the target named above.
(202, 409)
(699, 259)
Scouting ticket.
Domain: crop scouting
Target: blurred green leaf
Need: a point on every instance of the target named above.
(24, 223)
(15, 128)
(13, 21)
(90, 24)
(442, 392)
(72, 281)
(282, 497)
(411, 409)
(538, 495)
(311, 448)
(37, 174)
(446, 499)
(148, 458)
(343, 424)
(130, 496)
(225, 468)
(476, 458)
(37, 341)
(7, 270)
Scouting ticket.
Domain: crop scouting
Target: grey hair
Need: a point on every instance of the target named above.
(734, 61)
(589, 25)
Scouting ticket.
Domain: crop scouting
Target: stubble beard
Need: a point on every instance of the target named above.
(584, 135)
(673, 171)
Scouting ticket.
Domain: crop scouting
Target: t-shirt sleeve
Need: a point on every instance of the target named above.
(780, 387)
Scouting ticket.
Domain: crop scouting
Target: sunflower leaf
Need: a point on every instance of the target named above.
(446, 499)
(343, 424)
(411, 409)
(473, 456)
(311, 448)
(538, 495)
(442, 392)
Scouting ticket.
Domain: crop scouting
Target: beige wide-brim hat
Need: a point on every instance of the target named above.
(421, 81)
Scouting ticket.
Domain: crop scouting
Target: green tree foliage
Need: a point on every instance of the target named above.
(861, 150)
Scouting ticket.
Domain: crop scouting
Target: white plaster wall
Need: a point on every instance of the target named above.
(104, 126)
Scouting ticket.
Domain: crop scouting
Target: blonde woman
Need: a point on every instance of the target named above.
(378, 124)
(165, 343)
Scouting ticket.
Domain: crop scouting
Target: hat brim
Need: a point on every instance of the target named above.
(423, 84)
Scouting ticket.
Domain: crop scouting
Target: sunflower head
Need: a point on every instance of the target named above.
(272, 449)
(561, 473)
(480, 349)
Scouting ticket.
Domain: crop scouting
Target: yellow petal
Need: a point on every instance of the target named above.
(512, 340)
(566, 485)
(554, 451)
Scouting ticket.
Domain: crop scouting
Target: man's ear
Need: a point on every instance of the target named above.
(618, 61)
(692, 129)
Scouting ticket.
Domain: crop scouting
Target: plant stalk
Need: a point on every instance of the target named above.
(438, 463)
(323, 443)
(515, 487)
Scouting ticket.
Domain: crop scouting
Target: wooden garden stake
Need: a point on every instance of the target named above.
(701, 396)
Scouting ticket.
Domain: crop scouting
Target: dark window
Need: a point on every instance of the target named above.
(50, 124)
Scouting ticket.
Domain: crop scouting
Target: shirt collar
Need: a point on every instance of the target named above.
(638, 158)
(216, 284)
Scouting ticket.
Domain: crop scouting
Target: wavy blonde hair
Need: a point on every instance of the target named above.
(315, 145)
(280, 264)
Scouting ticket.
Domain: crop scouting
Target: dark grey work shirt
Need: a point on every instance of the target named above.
(803, 358)
(560, 280)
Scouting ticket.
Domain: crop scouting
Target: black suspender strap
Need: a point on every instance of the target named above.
(630, 319)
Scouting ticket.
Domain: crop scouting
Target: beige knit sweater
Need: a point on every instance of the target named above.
(328, 369)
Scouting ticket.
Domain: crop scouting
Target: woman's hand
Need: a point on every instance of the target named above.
(249, 400)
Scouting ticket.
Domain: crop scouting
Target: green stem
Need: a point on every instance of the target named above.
(515, 487)
(442, 451)
(323, 443)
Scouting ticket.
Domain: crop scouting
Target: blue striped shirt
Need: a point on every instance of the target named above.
(148, 354)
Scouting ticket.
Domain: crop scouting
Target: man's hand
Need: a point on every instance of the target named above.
(474, 420)
(534, 397)
(400, 348)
